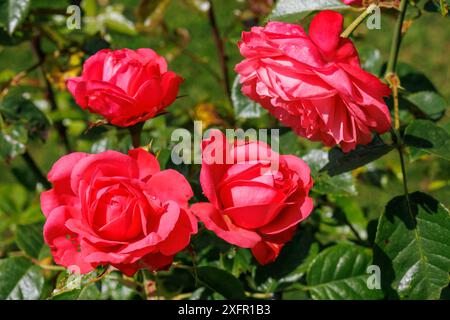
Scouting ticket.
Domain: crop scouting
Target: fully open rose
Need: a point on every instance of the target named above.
(117, 209)
(257, 197)
(125, 86)
(313, 83)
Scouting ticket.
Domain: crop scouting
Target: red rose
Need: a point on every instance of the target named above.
(125, 86)
(252, 204)
(314, 83)
(117, 209)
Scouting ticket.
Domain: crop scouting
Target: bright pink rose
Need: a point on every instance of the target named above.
(125, 86)
(253, 203)
(351, 2)
(117, 209)
(314, 83)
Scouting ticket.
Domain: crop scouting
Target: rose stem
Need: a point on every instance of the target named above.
(394, 82)
(36, 170)
(135, 133)
(347, 32)
(50, 94)
(223, 58)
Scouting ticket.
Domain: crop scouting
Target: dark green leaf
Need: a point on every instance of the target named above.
(88, 292)
(340, 162)
(29, 238)
(13, 13)
(412, 247)
(430, 103)
(13, 141)
(301, 8)
(18, 110)
(113, 288)
(340, 272)
(20, 279)
(371, 60)
(339, 185)
(243, 107)
(222, 282)
(413, 80)
(424, 136)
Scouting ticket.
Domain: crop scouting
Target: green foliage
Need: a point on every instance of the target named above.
(340, 272)
(221, 281)
(13, 13)
(340, 162)
(29, 239)
(412, 247)
(301, 8)
(20, 279)
(243, 106)
(426, 137)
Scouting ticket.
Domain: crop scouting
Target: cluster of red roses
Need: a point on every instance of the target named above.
(122, 210)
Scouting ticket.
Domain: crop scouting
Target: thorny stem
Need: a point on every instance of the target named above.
(352, 27)
(223, 58)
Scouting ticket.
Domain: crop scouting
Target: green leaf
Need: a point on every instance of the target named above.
(340, 162)
(244, 108)
(372, 60)
(301, 8)
(116, 21)
(429, 103)
(222, 282)
(21, 111)
(241, 261)
(424, 136)
(29, 238)
(112, 288)
(339, 185)
(20, 279)
(13, 13)
(13, 141)
(412, 248)
(88, 292)
(413, 80)
(340, 272)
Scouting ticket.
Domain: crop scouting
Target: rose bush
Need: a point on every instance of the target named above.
(352, 221)
(117, 209)
(314, 83)
(257, 197)
(125, 86)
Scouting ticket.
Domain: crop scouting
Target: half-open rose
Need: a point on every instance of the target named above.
(125, 86)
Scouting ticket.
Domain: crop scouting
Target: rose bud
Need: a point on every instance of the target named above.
(125, 86)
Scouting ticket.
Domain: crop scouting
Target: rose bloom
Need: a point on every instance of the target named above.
(117, 209)
(252, 202)
(313, 84)
(125, 86)
(351, 2)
